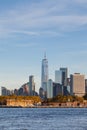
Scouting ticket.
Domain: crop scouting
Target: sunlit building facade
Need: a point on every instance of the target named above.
(77, 85)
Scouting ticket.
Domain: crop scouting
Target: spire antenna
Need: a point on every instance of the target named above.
(45, 55)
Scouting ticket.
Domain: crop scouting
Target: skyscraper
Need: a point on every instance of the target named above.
(44, 75)
(64, 76)
(61, 76)
(31, 84)
(50, 88)
(77, 84)
(57, 89)
(58, 76)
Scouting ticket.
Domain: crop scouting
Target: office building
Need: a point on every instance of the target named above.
(86, 86)
(64, 76)
(61, 77)
(44, 74)
(31, 85)
(50, 89)
(41, 92)
(58, 76)
(77, 84)
(57, 89)
(25, 89)
(20, 91)
(16, 91)
(5, 91)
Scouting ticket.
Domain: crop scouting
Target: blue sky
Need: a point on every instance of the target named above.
(28, 28)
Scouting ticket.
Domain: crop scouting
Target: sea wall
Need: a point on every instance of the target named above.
(19, 103)
(31, 103)
(68, 104)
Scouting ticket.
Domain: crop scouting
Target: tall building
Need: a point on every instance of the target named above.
(64, 76)
(25, 89)
(44, 75)
(58, 76)
(31, 85)
(50, 89)
(57, 89)
(61, 78)
(5, 91)
(86, 86)
(41, 92)
(77, 84)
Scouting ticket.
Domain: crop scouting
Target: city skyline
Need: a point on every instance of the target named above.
(29, 28)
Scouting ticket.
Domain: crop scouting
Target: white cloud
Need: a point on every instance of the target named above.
(26, 45)
(36, 18)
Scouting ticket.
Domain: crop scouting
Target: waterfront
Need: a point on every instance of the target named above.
(43, 118)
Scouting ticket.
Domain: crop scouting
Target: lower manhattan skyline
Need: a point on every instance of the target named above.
(30, 28)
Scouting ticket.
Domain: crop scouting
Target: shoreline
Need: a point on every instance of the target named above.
(3, 106)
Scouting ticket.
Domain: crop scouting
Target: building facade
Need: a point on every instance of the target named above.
(5, 91)
(41, 92)
(58, 76)
(86, 86)
(61, 77)
(57, 89)
(31, 85)
(64, 72)
(77, 84)
(50, 88)
(44, 74)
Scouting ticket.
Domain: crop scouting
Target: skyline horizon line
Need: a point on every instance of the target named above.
(54, 74)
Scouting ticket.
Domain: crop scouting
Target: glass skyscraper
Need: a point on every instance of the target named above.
(31, 85)
(58, 76)
(44, 74)
(64, 76)
(50, 89)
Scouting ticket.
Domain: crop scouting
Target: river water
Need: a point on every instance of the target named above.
(43, 118)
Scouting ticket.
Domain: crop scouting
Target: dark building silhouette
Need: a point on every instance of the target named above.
(86, 86)
(31, 85)
(57, 89)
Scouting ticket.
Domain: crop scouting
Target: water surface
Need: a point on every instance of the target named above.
(43, 118)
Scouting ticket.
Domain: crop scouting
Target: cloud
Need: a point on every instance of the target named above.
(26, 45)
(81, 1)
(48, 17)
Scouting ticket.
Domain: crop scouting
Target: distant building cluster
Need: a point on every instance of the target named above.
(76, 84)
(5, 91)
(27, 89)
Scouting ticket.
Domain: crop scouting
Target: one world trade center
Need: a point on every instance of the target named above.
(44, 74)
